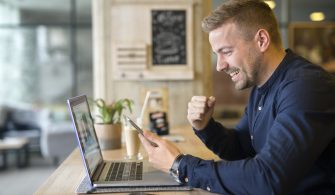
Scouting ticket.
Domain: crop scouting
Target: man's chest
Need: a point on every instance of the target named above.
(261, 120)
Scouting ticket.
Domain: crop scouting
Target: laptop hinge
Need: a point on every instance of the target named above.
(98, 171)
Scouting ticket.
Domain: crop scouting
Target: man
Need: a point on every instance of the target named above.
(284, 143)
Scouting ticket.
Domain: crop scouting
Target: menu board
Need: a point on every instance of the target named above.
(169, 37)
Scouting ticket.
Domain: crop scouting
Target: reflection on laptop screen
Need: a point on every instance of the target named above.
(86, 134)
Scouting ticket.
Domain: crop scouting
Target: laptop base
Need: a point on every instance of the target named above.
(85, 188)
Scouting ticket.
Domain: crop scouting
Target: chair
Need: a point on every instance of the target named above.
(58, 140)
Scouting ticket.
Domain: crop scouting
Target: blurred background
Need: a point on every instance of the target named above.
(46, 56)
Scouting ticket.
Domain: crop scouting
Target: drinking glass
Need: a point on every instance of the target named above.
(132, 141)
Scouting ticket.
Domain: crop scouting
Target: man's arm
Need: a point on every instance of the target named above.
(286, 158)
(227, 143)
(224, 142)
(303, 127)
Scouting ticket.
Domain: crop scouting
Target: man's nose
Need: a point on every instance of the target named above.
(221, 65)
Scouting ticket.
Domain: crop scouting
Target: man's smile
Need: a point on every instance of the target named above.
(233, 74)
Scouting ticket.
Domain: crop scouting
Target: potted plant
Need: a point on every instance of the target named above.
(108, 122)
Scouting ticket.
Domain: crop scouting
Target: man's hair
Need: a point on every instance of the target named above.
(248, 15)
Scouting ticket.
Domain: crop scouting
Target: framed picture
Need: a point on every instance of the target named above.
(156, 44)
(315, 42)
(171, 51)
(158, 101)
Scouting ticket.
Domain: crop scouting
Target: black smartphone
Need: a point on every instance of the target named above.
(140, 131)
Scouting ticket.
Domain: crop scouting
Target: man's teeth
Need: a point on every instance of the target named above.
(234, 73)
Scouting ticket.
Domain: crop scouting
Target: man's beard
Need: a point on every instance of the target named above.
(250, 79)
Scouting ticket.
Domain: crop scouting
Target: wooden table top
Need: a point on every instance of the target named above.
(69, 174)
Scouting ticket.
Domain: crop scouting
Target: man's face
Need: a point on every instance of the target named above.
(237, 57)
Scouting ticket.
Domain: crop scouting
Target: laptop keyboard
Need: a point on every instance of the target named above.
(125, 171)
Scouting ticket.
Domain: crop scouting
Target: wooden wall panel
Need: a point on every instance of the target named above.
(106, 35)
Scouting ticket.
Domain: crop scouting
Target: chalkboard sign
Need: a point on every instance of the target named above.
(169, 37)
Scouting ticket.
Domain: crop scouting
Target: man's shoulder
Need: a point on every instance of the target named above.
(302, 71)
(307, 85)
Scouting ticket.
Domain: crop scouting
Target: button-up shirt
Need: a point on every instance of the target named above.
(284, 143)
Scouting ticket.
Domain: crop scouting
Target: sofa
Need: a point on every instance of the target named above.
(22, 121)
(57, 141)
(51, 137)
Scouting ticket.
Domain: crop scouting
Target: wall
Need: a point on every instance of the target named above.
(179, 91)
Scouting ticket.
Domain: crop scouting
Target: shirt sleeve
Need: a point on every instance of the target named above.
(303, 127)
(225, 142)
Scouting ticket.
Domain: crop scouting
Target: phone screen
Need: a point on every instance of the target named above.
(140, 131)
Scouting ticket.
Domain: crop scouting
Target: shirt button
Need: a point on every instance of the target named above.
(208, 188)
(251, 137)
(186, 180)
(259, 108)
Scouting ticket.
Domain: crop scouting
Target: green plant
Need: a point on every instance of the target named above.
(111, 114)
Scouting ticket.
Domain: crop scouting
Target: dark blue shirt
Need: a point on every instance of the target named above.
(284, 143)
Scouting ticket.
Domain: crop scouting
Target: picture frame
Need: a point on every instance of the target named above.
(171, 42)
(315, 42)
(158, 101)
(157, 43)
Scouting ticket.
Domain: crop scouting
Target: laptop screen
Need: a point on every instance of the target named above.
(84, 125)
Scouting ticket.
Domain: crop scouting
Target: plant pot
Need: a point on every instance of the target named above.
(109, 135)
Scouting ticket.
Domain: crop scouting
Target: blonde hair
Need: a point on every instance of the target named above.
(248, 15)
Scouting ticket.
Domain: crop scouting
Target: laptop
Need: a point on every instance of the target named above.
(114, 173)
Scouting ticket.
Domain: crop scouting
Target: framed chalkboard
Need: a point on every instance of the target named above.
(169, 32)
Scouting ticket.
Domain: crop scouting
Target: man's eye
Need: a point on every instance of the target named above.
(226, 52)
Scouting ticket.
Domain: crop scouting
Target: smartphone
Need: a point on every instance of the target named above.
(140, 131)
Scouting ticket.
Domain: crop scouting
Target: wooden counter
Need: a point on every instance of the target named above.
(69, 174)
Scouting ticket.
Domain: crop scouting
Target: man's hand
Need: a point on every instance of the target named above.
(200, 111)
(162, 156)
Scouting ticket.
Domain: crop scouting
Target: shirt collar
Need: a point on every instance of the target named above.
(282, 66)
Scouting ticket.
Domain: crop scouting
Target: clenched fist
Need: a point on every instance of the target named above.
(200, 111)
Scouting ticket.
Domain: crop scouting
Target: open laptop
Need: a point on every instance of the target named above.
(116, 173)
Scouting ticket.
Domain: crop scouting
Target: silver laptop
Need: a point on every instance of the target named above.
(103, 173)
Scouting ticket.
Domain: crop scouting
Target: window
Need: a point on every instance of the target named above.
(45, 51)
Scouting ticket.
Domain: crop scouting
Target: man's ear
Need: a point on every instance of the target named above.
(263, 39)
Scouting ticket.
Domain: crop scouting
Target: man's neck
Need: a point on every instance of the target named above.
(272, 58)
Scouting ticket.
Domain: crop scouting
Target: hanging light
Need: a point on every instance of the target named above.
(271, 3)
(317, 16)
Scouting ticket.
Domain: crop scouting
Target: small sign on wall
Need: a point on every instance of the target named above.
(169, 37)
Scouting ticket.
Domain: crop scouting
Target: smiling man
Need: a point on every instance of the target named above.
(285, 142)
